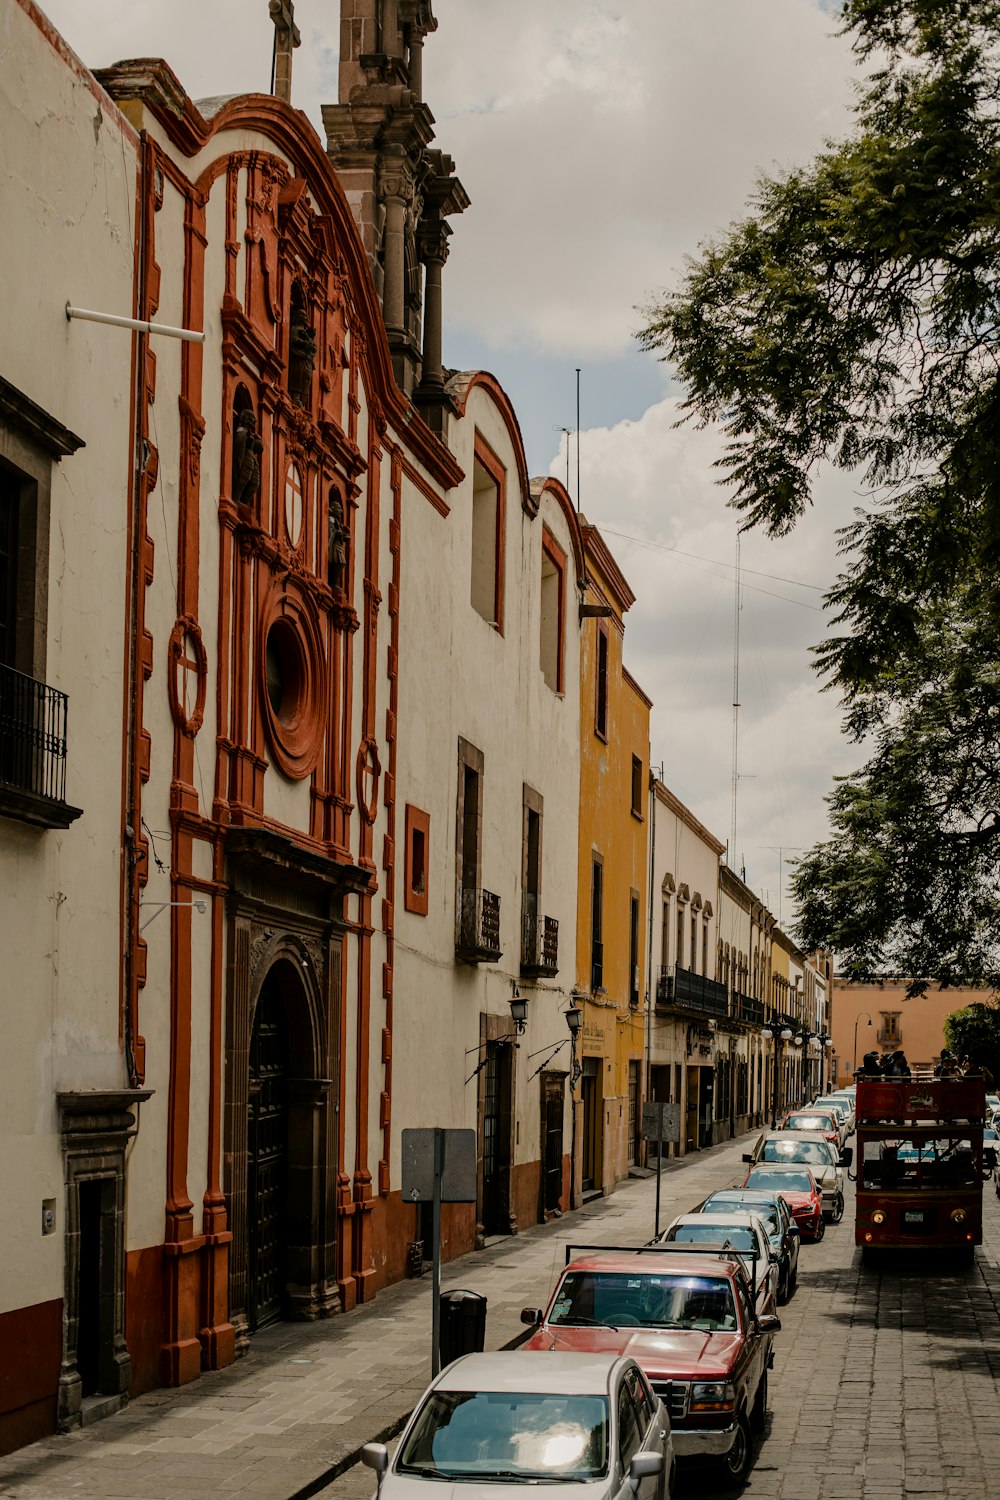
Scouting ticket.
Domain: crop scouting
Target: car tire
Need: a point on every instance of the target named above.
(820, 1230)
(793, 1284)
(838, 1209)
(758, 1412)
(736, 1463)
(784, 1289)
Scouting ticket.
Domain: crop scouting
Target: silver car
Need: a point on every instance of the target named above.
(577, 1424)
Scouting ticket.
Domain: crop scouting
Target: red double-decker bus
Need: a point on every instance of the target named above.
(920, 1164)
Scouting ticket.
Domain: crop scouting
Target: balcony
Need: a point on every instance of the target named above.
(680, 989)
(479, 927)
(746, 1008)
(539, 941)
(33, 752)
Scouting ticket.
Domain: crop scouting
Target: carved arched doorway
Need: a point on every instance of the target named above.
(281, 1157)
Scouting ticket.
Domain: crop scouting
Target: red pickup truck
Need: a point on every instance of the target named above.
(685, 1315)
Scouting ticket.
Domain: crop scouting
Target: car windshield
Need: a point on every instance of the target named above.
(810, 1122)
(810, 1153)
(736, 1235)
(643, 1299)
(765, 1211)
(785, 1181)
(834, 1104)
(507, 1435)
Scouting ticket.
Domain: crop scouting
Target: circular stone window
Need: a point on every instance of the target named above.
(291, 679)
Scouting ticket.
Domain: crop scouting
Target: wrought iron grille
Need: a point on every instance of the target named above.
(539, 938)
(479, 926)
(690, 991)
(32, 736)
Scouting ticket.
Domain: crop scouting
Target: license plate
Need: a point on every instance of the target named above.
(913, 1217)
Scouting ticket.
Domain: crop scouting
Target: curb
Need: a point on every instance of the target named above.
(385, 1435)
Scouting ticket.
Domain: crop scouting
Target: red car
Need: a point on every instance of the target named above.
(799, 1188)
(686, 1316)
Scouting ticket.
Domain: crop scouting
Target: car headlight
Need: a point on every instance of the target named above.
(878, 1217)
(713, 1395)
(958, 1215)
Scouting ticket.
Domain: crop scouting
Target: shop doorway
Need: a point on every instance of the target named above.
(553, 1106)
(593, 1118)
(497, 1102)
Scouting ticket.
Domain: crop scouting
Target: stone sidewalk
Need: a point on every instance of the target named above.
(293, 1415)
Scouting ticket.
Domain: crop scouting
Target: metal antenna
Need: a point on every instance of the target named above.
(578, 440)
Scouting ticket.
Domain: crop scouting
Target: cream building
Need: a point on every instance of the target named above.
(66, 544)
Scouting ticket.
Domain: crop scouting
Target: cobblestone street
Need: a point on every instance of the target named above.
(856, 1350)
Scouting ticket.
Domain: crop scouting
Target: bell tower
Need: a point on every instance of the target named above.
(402, 191)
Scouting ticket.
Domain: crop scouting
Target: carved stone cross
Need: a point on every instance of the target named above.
(286, 36)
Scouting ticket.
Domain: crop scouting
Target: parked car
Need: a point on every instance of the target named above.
(831, 1125)
(808, 1149)
(587, 1422)
(837, 1102)
(738, 1229)
(799, 1188)
(686, 1315)
(776, 1216)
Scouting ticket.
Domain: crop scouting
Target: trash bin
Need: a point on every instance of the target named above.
(463, 1325)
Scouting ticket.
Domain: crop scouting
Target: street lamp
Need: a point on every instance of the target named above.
(785, 1035)
(854, 1062)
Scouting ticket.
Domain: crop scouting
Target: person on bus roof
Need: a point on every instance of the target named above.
(896, 1066)
(871, 1065)
(945, 1068)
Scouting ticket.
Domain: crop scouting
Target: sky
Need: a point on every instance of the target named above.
(601, 142)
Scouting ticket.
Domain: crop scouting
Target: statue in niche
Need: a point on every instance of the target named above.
(247, 448)
(301, 356)
(337, 536)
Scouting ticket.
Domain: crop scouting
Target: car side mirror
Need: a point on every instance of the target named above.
(769, 1323)
(794, 1229)
(747, 1156)
(532, 1316)
(643, 1466)
(846, 1156)
(376, 1456)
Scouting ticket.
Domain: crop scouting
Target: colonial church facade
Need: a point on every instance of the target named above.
(290, 696)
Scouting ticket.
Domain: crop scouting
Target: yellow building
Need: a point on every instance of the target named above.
(611, 912)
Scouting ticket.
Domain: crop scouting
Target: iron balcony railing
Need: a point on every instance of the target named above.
(479, 926)
(686, 990)
(32, 736)
(746, 1008)
(539, 940)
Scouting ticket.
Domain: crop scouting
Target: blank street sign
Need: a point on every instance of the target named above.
(458, 1179)
(661, 1121)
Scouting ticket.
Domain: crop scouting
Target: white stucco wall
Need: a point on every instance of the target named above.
(68, 154)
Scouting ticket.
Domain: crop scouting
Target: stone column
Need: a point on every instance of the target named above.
(417, 64)
(394, 193)
(433, 252)
(390, 28)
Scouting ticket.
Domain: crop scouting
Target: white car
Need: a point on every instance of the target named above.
(744, 1232)
(830, 1101)
(574, 1424)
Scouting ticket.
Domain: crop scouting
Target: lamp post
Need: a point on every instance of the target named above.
(825, 1042)
(574, 1020)
(784, 1035)
(854, 1059)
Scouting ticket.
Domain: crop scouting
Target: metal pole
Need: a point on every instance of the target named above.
(436, 1270)
(139, 324)
(649, 958)
(578, 441)
(659, 1169)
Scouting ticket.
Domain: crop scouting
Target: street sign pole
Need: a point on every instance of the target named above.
(659, 1172)
(436, 1252)
(661, 1121)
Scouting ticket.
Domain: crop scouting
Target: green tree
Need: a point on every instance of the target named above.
(853, 320)
(975, 1033)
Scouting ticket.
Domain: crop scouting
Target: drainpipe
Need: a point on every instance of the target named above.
(649, 947)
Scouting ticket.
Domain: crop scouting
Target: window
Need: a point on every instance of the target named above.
(629, 1436)
(418, 837)
(704, 948)
(532, 921)
(597, 924)
(33, 740)
(637, 786)
(601, 684)
(633, 951)
(486, 592)
(889, 1029)
(552, 608)
(694, 942)
(679, 953)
